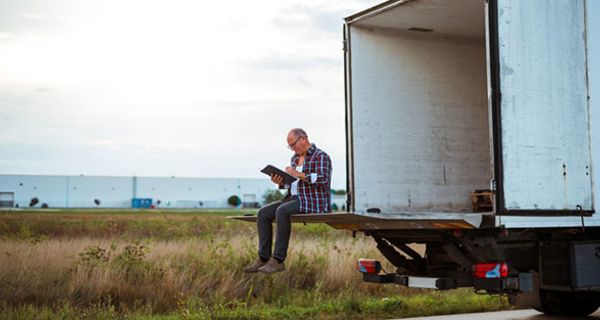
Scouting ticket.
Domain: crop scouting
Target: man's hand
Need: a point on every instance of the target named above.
(277, 179)
(295, 173)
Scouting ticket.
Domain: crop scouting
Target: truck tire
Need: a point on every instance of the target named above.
(568, 303)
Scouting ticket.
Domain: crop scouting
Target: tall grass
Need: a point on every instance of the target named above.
(160, 273)
(191, 266)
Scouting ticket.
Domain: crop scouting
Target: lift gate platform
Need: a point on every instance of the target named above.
(362, 222)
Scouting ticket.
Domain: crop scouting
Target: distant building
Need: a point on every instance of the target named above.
(338, 202)
(120, 192)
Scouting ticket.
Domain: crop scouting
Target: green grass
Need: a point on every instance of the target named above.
(136, 224)
(120, 211)
(346, 305)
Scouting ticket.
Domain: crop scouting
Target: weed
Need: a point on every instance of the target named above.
(94, 256)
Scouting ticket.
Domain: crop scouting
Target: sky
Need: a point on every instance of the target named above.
(169, 88)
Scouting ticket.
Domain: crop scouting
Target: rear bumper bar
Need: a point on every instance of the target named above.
(412, 282)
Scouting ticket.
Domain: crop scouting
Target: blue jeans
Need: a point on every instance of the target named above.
(280, 212)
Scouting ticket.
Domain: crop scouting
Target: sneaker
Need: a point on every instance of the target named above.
(272, 266)
(254, 268)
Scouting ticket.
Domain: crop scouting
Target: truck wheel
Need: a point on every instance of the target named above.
(568, 303)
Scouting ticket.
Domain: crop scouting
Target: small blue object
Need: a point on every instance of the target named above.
(141, 203)
(494, 273)
(371, 266)
(362, 268)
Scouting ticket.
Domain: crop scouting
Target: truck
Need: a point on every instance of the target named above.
(472, 130)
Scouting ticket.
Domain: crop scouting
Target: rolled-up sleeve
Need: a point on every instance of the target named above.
(322, 174)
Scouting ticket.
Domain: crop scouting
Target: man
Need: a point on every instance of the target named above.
(309, 194)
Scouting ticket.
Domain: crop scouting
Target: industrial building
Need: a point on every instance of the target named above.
(56, 191)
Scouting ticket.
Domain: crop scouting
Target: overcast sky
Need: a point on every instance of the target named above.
(169, 88)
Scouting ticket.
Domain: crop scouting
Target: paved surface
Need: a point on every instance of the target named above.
(528, 314)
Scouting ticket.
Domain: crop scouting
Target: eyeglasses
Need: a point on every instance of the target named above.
(291, 146)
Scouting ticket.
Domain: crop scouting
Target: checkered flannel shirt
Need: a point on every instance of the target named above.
(314, 194)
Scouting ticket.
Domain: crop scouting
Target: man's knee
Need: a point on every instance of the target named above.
(265, 213)
(261, 215)
(282, 211)
(288, 208)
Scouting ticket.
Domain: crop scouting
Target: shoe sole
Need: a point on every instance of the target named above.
(271, 272)
(251, 271)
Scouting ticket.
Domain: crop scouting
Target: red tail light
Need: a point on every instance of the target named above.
(371, 266)
(490, 270)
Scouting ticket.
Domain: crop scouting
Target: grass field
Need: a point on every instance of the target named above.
(93, 264)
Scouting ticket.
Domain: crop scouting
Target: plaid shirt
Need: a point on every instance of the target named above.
(315, 197)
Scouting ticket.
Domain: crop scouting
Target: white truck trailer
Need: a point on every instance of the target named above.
(450, 103)
(446, 98)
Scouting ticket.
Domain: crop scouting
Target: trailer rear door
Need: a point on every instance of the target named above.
(540, 106)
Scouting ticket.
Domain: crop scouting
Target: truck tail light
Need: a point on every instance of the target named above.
(490, 270)
(370, 266)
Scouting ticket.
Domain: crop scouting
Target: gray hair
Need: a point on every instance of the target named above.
(299, 133)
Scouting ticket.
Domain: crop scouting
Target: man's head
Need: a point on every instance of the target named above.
(298, 142)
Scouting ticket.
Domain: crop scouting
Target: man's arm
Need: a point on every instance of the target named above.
(321, 177)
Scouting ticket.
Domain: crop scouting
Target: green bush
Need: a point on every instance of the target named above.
(234, 201)
(272, 196)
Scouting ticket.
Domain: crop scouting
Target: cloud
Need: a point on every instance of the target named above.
(8, 36)
(34, 16)
(234, 25)
(290, 72)
(310, 19)
(284, 62)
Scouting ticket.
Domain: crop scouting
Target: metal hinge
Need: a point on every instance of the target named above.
(345, 45)
(348, 201)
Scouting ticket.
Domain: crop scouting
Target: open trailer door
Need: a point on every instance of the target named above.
(540, 106)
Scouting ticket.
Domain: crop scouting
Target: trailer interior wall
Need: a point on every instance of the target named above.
(420, 132)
